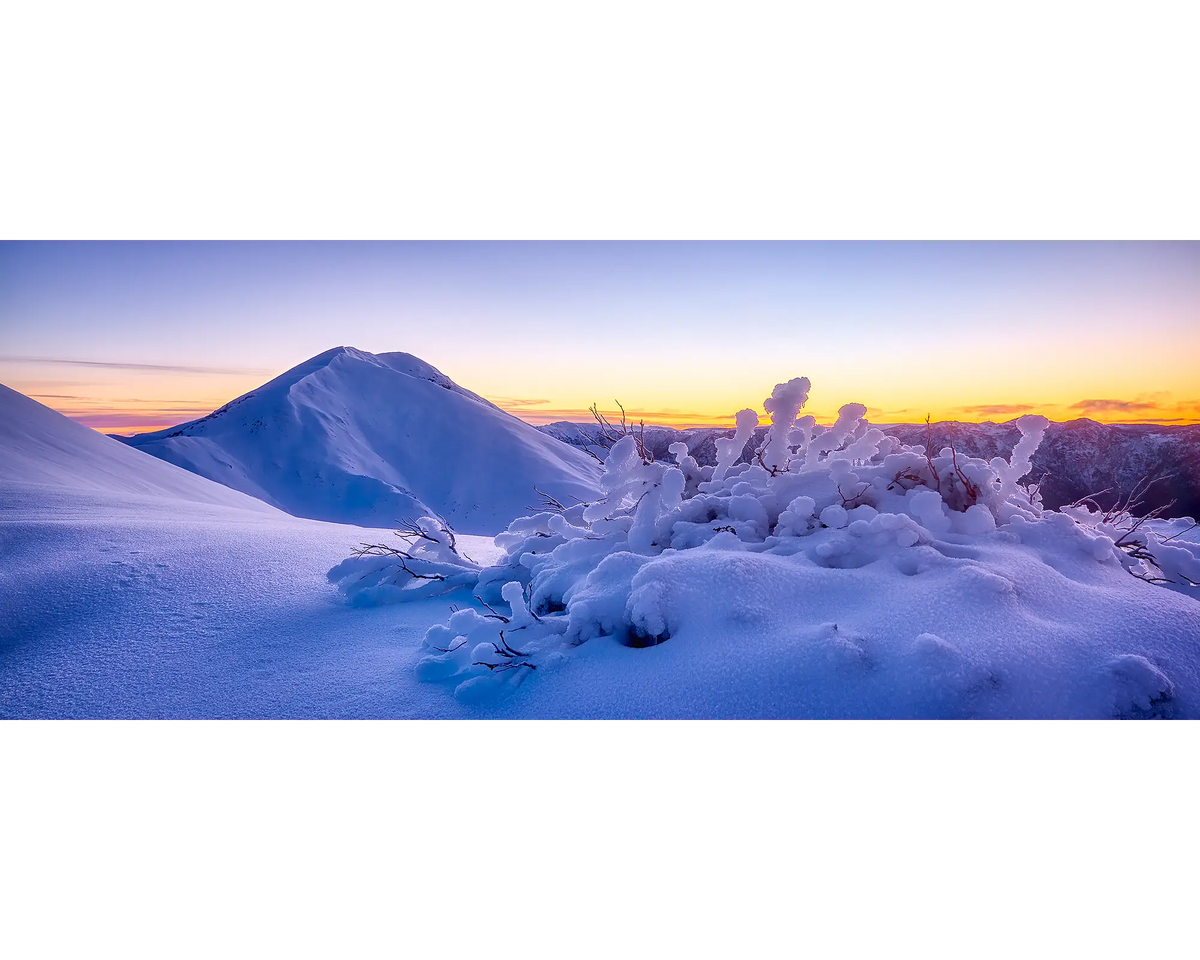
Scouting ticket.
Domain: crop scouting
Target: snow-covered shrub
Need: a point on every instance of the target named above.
(662, 541)
(1142, 545)
(427, 565)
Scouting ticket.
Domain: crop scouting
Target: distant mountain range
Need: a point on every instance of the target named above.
(1077, 458)
(355, 437)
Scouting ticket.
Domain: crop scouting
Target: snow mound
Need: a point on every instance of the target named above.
(836, 572)
(354, 437)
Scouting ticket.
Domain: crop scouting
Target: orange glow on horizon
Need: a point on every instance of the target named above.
(1102, 389)
(1168, 416)
(147, 417)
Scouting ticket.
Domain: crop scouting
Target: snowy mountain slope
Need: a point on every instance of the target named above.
(354, 437)
(44, 454)
(1078, 457)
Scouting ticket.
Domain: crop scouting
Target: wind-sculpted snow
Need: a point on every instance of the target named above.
(823, 571)
(352, 437)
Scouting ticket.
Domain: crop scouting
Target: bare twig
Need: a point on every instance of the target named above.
(1135, 498)
(1090, 498)
(607, 430)
(1141, 576)
(914, 478)
(380, 550)
(611, 433)
(493, 615)
(1138, 521)
(1137, 546)
(1033, 489)
(847, 502)
(501, 667)
(411, 531)
(972, 490)
(588, 450)
(774, 471)
(453, 540)
(548, 503)
(511, 651)
(937, 482)
(420, 576)
(1180, 533)
(449, 649)
(503, 649)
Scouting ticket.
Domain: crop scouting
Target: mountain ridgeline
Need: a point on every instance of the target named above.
(1077, 458)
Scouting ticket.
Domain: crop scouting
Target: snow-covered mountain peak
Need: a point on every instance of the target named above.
(365, 438)
(340, 365)
(350, 361)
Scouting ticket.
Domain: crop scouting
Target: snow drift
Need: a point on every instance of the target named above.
(354, 437)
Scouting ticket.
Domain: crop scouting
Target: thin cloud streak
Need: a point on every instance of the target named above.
(993, 409)
(516, 403)
(180, 414)
(161, 404)
(160, 367)
(1124, 406)
(126, 422)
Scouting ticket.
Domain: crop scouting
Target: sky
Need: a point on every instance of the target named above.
(137, 336)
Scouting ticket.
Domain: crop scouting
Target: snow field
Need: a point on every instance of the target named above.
(843, 583)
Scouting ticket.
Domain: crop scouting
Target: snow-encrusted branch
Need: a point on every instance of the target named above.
(612, 433)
